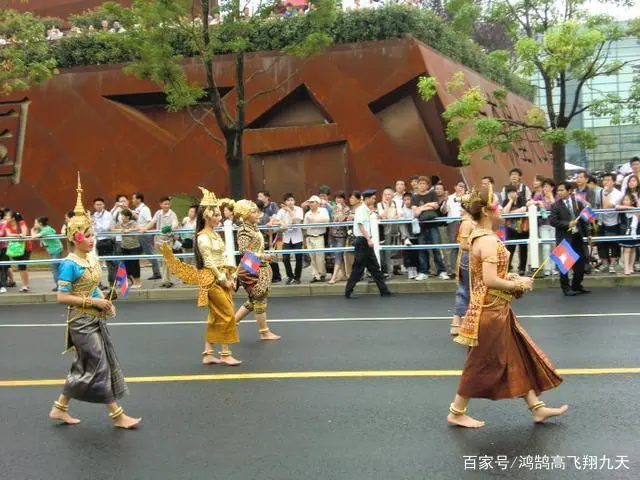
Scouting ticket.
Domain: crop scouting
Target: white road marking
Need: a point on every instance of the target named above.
(323, 320)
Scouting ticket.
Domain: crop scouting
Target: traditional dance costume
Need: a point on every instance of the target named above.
(221, 325)
(257, 287)
(503, 361)
(95, 374)
(462, 273)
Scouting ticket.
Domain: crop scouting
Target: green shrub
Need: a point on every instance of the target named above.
(276, 34)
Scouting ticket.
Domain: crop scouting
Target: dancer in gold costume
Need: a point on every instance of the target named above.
(215, 279)
(257, 287)
(95, 375)
(463, 286)
(502, 361)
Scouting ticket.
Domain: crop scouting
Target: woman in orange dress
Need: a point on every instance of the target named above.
(502, 362)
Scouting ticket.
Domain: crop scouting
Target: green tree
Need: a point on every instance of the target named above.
(569, 49)
(159, 21)
(25, 58)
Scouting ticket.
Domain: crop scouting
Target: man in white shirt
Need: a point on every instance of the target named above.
(292, 238)
(164, 220)
(103, 222)
(365, 256)
(609, 252)
(143, 217)
(388, 210)
(315, 237)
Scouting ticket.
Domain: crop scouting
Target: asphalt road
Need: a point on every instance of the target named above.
(383, 426)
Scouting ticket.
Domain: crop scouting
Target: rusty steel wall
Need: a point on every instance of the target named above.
(350, 118)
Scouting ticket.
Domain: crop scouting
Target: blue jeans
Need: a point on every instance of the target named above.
(463, 287)
(55, 267)
(430, 236)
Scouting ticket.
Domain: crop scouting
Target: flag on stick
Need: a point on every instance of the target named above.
(587, 214)
(502, 233)
(122, 279)
(250, 263)
(564, 257)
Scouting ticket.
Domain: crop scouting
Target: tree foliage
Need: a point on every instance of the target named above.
(568, 49)
(25, 59)
(157, 59)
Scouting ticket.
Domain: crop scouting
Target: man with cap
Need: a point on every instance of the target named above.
(365, 257)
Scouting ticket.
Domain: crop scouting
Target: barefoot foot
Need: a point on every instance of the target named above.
(543, 413)
(210, 360)
(126, 422)
(64, 417)
(229, 361)
(269, 336)
(464, 421)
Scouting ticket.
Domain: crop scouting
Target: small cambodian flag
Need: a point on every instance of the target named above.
(122, 279)
(502, 233)
(250, 263)
(564, 257)
(581, 196)
(587, 214)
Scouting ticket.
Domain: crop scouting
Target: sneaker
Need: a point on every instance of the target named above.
(421, 277)
(3, 290)
(412, 273)
(612, 269)
(443, 276)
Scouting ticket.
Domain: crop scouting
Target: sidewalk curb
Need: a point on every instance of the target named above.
(319, 290)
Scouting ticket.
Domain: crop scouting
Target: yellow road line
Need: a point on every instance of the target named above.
(306, 375)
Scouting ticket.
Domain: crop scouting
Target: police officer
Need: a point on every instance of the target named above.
(364, 255)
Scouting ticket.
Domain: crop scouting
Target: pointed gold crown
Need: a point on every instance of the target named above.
(242, 208)
(208, 198)
(81, 220)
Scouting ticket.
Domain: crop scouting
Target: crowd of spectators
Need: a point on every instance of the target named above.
(419, 202)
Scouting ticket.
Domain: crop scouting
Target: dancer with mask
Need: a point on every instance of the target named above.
(257, 287)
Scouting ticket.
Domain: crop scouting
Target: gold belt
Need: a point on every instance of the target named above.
(94, 312)
(500, 294)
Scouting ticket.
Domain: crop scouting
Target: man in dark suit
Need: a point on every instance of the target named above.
(565, 219)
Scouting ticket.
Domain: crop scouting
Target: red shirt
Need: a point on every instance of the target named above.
(14, 232)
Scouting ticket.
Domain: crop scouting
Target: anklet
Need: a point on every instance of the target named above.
(457, 412)
(118, 413)
(264, 330)
(60, 406)
(208, 352)
(537, 405)
(225, 354)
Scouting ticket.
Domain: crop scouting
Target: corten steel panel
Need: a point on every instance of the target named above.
(107, 125)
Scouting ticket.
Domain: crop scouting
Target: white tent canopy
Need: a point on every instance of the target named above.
(570, 167)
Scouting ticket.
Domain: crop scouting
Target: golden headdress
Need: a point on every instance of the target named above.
(242, 208)
(208, 198)
(81, 221)
(468, 199)
(227, 202)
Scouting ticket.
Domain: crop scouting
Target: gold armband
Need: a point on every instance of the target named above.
(492, 259)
